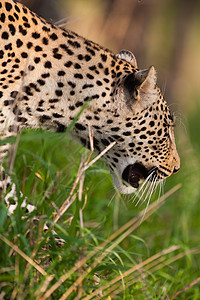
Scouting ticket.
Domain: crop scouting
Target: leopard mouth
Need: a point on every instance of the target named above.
(134, 174)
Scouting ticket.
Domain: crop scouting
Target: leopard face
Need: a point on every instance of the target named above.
(48, 73)
(143, 128)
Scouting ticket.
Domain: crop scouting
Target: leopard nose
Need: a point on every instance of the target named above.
(175, 170)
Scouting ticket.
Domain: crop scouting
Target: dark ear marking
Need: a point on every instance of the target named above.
(143, 79)
(131, 84)
(147, 78)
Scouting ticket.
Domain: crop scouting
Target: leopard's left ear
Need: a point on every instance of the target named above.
(128, 56)
(139, 88)
(140, 81)
(146, 78)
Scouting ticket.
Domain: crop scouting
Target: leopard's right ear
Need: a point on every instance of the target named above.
(128, 56)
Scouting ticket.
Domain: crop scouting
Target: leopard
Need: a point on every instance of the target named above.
(49, 74)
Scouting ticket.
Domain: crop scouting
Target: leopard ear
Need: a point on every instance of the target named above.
(128, 56)
(141, 81)
(146, 79)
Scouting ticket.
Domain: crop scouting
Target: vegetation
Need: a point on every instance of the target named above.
(112, 248)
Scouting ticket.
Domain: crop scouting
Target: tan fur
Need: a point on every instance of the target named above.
(47, 74)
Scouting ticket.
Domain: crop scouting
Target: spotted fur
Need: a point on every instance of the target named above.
(48, 73)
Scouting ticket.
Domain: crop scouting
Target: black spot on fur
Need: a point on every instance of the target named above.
(105, 142)
(35, 35)
(29, 45)
(53, 36)
(12, 29)
(45, 28)
(5, 35)
(22, 30)
(45, 41)
(104, 57)
(90, 76)
(8, 6)
(68, 64)
(69, 51)
(56, 115)
(45, 75)
(80, 126)
(61, 73)
(19, 43)
(24, 55)
(11, 19)
(34, 21)
(78, 75)
(53, 100)
(41, 82)
(74, 44)
(59, 93)
(48, 65)
(37, 60)
(2, 18)
(44, 118)
(38, 48)
(61, 127)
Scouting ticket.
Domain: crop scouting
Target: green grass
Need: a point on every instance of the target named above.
(45, 169)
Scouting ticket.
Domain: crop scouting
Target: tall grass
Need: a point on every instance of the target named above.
(111, 249)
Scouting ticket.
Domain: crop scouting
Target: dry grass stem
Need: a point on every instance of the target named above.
(134, 223)
(80, 193)
(65, 208)
(91, 143)
(12, 154)
(22, 254)
(51, 189)
(44, 287)
(153, 267)
(99, 156)
(188, 286)
(130, 271)
(68, 202)
(84, 165)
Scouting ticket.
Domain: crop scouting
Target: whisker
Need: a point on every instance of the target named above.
(153, 190)
(114, 195)
(146, 189)
(150, 191)
(162, 183)
(141, 189)
(125, 197)
(137, 193)
(67, 20)
(146, 182)
(147, 179)
(160, 189)
(149, 198)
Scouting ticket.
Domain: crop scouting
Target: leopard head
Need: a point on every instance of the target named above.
(145, 145)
